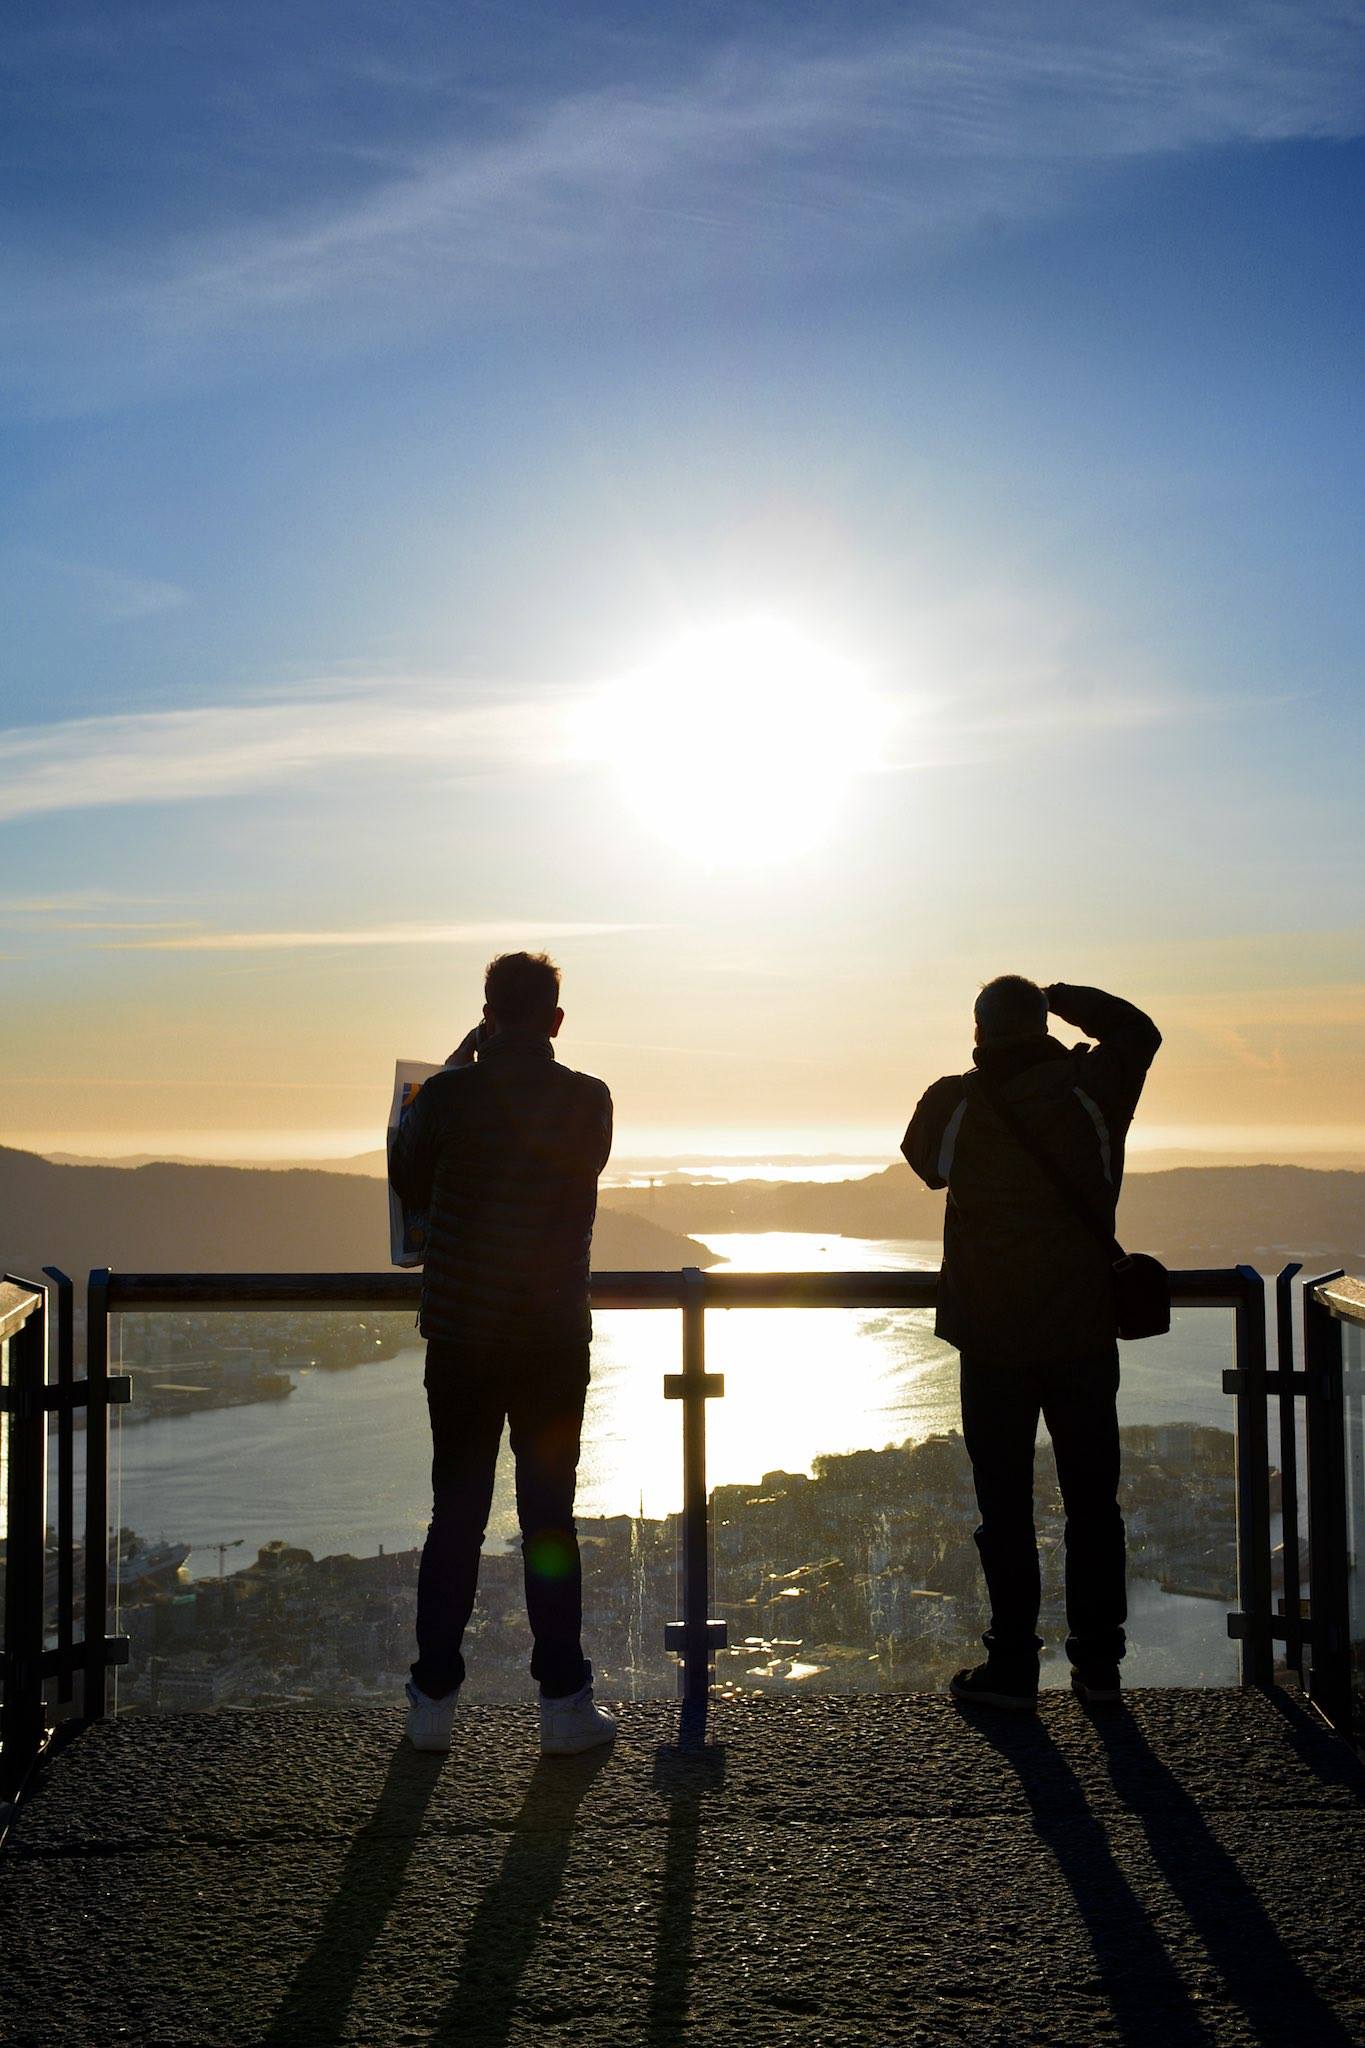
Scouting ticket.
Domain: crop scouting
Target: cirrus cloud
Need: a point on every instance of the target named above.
(217, 750)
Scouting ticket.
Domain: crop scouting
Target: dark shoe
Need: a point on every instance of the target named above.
(1097, 1684)
(992, 1685)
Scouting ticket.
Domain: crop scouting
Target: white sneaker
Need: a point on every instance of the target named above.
(571, 1725)
(430, 1721)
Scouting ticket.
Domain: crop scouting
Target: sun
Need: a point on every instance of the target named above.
(740, 743)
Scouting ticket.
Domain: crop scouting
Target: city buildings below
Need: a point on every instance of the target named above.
(186, 1364)
(862, 1575)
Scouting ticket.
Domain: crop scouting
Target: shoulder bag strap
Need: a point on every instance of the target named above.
(1083, 1210)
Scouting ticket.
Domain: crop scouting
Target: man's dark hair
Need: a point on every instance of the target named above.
(522, 989)
(1010, 1007)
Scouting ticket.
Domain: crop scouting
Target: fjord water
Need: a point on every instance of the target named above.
(343, 1464)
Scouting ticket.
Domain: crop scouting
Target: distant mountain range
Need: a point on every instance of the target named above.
(223, 1219)
(192, 1218)
(1192, 1216)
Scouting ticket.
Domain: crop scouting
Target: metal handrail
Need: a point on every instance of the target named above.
(1202, 1287)
(691, 1292)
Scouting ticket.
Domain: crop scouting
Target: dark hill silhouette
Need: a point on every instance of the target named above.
(1191, 1216)
(194, 1218)
(224, 1219)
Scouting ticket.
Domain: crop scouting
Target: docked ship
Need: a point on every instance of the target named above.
(143, 1566)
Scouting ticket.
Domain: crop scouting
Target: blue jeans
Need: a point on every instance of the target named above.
(470, 1394)
(1001, 1403)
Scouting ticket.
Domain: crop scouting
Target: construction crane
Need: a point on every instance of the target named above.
(223, 1549)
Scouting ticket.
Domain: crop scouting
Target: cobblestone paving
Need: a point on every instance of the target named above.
(1187, 1870)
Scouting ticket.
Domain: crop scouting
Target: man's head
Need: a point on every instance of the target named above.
(1010, 1007)
(521, 991)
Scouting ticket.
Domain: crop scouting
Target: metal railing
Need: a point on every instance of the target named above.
(38, 1382)
(1334, 1316)
(23, 1371)
(28, 1398)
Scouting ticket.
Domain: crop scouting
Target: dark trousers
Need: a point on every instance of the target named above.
(1001, 1404)
(470, 1394)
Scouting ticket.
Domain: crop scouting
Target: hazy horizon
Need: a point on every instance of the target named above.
(822, 1157)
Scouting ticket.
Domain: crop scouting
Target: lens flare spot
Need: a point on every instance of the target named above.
(549, 1554)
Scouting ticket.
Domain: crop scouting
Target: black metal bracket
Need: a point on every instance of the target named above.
(117, 1650)
(53, 1399)
(675, 1636)
(1236, 1380)
(705, 1386)
(1247, 1628)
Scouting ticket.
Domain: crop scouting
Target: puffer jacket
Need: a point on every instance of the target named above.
(1023, 1279)
(504, 1156)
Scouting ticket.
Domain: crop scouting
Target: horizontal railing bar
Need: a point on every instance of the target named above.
(57, 1663)
(214, 1291)
(1215, 1287)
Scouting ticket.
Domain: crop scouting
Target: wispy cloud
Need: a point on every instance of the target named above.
(1239, 1049)
(124, 924)
(986, 675)
(808, 151)
(111, 593)
(64, 902)
(510, 932)
(224, 749)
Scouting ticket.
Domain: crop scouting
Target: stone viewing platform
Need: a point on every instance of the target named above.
(1187, 1869)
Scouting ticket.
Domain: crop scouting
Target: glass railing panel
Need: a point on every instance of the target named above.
(1176, 1427)
(71, 1708)
(843, 1506)
(629, 1500)
(269, 1492)
(1353, 1411)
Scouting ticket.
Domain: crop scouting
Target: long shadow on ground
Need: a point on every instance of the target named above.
(509, 1918)
(1280, 2000)
(1151, 2003)
(315, 2005)
(685, 1778)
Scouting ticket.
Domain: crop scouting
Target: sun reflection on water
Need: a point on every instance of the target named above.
(798, 1382)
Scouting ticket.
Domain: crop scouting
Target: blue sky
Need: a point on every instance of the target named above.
(377, 384)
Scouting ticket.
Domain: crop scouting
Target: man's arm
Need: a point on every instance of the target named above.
(412, 1151)
(602, 1129)
(1126, 1038)
(923, 1141)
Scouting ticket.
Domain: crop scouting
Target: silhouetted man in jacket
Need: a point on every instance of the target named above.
(1026, 1295)
(502, 1150)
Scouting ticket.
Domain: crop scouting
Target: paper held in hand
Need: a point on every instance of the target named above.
(407, 1227)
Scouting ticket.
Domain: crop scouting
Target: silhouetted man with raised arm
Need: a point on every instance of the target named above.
(1026, 1295)
(502, 1150)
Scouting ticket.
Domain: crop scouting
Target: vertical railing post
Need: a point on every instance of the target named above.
(22, 1721)
(1289, 1468)
(1329, 1578)
(94, 1697)
(696, 1635)
(1253, 1483)
(63, 1294)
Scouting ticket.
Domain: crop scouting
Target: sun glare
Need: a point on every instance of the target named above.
(738, 746)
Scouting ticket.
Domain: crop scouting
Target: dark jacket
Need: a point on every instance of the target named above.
(1023, 1279)
(504, 1156)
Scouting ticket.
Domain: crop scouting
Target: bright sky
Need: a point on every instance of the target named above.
(794, 509)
